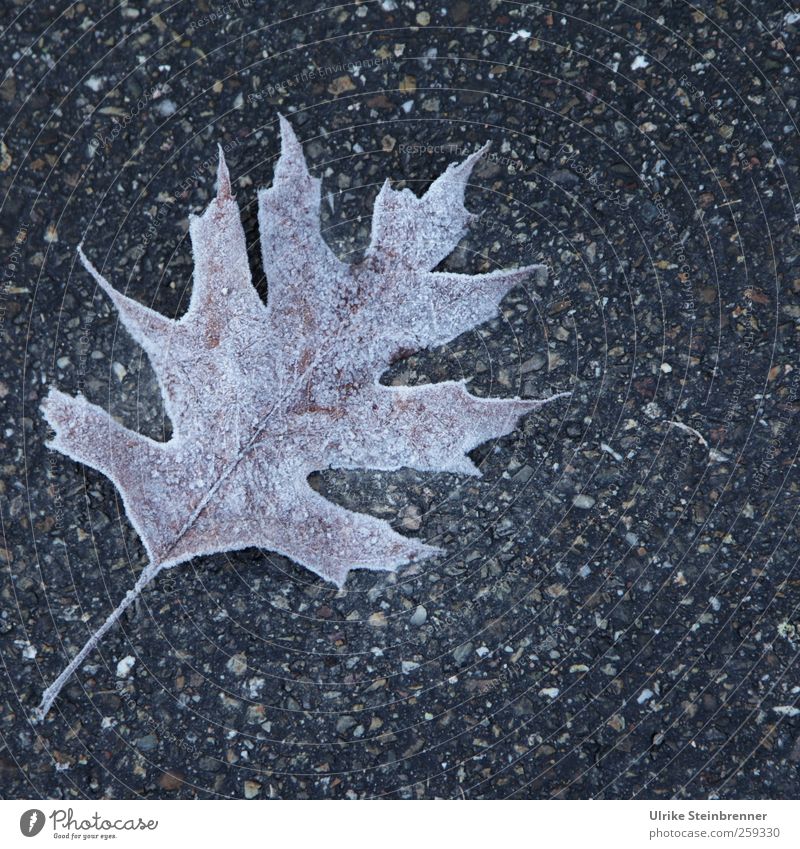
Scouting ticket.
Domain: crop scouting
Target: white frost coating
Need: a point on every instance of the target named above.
(261, 396)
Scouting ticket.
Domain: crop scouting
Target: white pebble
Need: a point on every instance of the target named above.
(124, 666)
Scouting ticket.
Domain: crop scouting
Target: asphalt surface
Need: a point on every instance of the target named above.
(617, 613)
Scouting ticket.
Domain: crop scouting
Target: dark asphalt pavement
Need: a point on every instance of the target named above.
(617, 613)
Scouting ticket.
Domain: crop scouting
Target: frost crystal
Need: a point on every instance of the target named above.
(260, 396)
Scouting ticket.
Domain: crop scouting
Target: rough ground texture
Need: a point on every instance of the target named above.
(617, 612)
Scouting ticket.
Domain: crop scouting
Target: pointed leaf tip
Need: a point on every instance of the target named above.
(98, 277)
(464, 169)
(292, 161)
(289, 142)
(223, 177)
(148, 327)
(287, 131)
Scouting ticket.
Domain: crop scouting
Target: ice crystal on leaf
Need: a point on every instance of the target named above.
(260, 396)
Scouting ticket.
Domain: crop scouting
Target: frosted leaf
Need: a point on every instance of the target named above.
(260, 396)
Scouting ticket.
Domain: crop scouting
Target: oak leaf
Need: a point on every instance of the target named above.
(260, 396)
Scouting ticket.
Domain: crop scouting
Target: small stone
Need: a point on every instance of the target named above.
(5, 157)
(652, 410)
(344, 724)
(609, 450)
(256, 714)
(146, 743)
(124, 666)
(561, 333)
(237, 664)
(419, 616)
(411, 518)
(423, 18)
(119, 371)
(535, 363)
(583, 502)
(171, 780)
(524, 474)
(617, 722)
(408, 666)
(166, 108)
(645, 695)
(378, 619)
(461, 653)
(549, 692)
(408, 83)
(341, 85)
(251, 789)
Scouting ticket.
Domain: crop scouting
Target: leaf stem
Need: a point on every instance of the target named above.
(51, 693)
